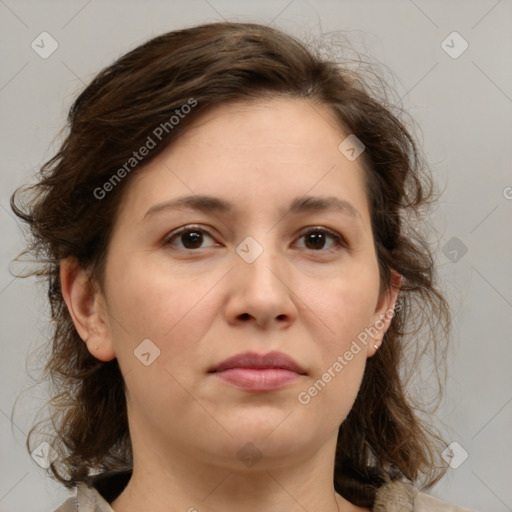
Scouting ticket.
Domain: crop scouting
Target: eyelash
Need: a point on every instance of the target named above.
(340, 240)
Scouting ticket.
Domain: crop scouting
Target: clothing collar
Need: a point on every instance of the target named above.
(98, 491)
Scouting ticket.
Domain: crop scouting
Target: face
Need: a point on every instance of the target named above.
(251, 274)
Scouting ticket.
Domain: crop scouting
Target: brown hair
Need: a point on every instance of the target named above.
(383, 436)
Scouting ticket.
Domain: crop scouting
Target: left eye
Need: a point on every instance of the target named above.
(193, 237)
(318, 236)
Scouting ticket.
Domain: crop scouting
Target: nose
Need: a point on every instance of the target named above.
(261, 293)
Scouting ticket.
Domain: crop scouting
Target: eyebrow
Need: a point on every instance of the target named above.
(298, 205)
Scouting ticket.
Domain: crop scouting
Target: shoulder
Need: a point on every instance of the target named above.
(403, 496)
(95, 494)
(68, 506)
(86, 499)
(426, 503)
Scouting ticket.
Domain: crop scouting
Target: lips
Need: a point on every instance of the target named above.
(261, 362)
(255, 372)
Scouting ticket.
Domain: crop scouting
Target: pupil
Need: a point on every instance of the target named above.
(194, 237)
(317, 238)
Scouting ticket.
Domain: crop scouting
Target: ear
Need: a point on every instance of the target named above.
(87, 308)
(384, 313)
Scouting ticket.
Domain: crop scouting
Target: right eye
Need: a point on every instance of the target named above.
(191, 238)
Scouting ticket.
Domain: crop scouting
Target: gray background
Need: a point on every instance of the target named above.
(463, 107)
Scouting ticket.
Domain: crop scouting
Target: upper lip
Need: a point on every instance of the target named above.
(260, 361)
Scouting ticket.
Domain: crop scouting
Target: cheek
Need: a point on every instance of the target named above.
(346, 307)
(173, 312)
(171, 309)
(351, 305)
(146, 299)
(332, 389)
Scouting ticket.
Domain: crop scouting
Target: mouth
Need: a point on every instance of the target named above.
(255, 372)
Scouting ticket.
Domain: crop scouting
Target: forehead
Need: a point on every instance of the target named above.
(254, 154)
(278, 124)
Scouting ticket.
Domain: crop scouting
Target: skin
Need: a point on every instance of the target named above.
(200, 306)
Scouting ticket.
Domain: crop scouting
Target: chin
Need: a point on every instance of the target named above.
(263, 439)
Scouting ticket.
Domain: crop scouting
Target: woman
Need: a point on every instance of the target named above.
(226, 231)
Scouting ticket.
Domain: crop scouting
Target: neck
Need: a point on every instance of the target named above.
(164, 482)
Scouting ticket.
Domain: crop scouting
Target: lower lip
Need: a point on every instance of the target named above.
(254, 379)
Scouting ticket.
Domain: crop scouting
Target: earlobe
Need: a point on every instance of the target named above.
(86, 309)
(384, 312)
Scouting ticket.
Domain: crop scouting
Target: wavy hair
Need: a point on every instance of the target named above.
(384, 436)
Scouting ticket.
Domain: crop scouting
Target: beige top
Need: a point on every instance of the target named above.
(391, 497)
